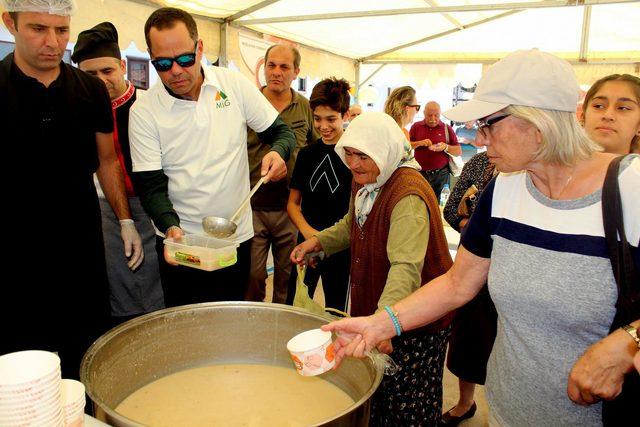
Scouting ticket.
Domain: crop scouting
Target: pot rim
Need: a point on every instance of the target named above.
(106, 337)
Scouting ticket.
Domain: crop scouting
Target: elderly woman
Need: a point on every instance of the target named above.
(402, 106)
(537, 237)
(397, 242)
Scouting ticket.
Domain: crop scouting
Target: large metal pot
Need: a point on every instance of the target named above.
(167, 341)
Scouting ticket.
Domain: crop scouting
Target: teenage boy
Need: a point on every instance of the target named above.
(320, 191)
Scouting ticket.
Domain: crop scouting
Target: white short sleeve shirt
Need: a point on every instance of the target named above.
(201, 145)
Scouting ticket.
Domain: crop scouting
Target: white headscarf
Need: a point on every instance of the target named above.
(378, 136)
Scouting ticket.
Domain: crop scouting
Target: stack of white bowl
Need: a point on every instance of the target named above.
(30, 393)
(73, 401)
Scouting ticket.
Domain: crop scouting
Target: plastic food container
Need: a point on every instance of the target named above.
(203, 252)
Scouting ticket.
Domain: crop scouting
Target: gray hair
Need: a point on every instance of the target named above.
(432, 103)
(52, 7)
(564, 142)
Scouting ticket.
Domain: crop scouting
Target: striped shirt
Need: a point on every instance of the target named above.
(552, 284)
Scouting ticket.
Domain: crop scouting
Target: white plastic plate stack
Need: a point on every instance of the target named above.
(30, 393)
(73, 401)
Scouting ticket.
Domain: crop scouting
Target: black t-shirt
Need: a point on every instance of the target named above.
(52, 212)
(52, 135)
(52, 131)
(49, 136)
(325, 184)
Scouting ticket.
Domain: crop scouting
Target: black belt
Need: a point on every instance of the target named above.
(434, 171)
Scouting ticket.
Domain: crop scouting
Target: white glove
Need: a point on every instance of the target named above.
(132, 243)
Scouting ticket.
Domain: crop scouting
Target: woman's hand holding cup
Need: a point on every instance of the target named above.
(357, 336)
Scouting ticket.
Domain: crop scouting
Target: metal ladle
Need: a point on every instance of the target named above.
(222, 227)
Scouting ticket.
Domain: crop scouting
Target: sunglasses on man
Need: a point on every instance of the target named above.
(184, 60)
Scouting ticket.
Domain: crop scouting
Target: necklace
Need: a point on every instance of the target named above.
(564, 187)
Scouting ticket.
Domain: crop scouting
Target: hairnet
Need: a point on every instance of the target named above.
(52, 7)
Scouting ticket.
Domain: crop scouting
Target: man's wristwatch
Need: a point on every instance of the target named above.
(633, 331)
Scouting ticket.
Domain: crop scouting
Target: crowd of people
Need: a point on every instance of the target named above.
(564, 341)
(533, 306)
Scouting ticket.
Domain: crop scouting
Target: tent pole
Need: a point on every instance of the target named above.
(224, 33)
(372, 74)
(357, 91)
(259, 34)
(442, 34)
(447, 16)
(249, 10)
(156, 4)
(491, 60)
(439, 9)
(584, 38)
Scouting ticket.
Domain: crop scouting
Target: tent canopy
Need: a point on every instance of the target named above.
(413, 31)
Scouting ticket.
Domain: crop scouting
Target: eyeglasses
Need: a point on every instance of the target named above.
(184, 60)
(485, 124)
(416, 106)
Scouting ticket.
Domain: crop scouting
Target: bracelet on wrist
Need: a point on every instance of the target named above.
(394, 318)
(633, 332)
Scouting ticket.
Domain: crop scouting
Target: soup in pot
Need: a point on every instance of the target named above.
(235, 395)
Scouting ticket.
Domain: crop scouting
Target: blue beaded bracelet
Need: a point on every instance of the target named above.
(394, 319)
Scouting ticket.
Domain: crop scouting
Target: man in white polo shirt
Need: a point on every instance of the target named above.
(188, 137)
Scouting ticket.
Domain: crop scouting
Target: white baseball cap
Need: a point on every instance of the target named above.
(525, 77)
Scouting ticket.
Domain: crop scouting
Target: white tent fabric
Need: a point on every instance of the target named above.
(611, 33)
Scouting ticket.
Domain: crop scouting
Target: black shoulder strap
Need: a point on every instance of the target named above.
(619, 252)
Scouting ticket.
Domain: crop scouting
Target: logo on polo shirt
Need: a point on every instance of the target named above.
(222, 100)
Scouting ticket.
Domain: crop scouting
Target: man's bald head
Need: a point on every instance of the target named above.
(354, 111)
(292, 49)
(432, 114)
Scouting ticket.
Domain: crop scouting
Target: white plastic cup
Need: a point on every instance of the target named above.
(27, 395)
(312, 352)
(24, 369)
(73, 402)
(73, 393)
(34, 416)
(32, 406)
(29, 388)
(76, 421)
